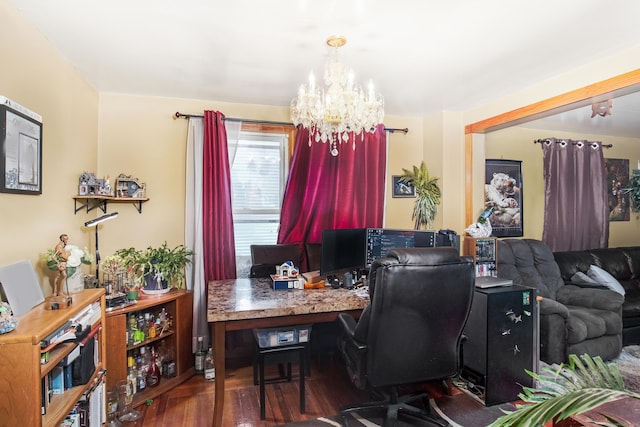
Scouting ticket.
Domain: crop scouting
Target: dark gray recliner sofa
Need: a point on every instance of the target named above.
(573, 319)
(624, 265)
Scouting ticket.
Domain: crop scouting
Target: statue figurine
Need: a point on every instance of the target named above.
(62, 256)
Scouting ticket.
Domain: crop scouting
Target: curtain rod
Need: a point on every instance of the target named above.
(540, 141)
(179, 115)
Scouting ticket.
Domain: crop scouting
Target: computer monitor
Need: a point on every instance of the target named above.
(381, 240)
(343, 249)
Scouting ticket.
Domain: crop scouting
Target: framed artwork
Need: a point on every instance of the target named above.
(21, 154)
(617, 176)
(503, 193)
(402, 189)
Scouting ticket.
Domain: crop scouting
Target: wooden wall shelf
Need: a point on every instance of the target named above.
(92, 202)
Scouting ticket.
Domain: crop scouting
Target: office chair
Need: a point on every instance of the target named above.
(411, 332)
(265, 258)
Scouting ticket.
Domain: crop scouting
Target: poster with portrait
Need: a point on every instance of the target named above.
(617, 178)
(503, 193)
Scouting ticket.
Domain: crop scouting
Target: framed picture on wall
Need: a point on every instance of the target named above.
(21, 154)
(503, 193)
(617, 176)
(401, 189)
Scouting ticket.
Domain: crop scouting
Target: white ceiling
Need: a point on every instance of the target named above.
(424, 56)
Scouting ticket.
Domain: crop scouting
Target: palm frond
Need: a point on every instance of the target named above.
(427, 191)
(579, 386)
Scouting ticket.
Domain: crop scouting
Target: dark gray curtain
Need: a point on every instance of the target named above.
(576, 215)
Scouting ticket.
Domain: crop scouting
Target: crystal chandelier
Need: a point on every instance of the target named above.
(343, 107)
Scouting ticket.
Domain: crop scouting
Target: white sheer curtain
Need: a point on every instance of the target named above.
(193, 229)
(193, 219)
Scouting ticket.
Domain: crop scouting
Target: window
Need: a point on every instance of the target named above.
(258, 177)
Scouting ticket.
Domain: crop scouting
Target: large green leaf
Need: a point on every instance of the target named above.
(569, 389)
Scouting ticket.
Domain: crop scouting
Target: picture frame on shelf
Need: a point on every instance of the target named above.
(503, 192)
(401, 189)
(21, 151)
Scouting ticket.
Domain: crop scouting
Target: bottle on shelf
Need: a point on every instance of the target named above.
(142, 370)
(209, 366)
(132, 375)
(153, 372)
(200, 355)
(168, 363)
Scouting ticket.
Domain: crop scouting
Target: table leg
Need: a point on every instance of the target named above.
(218, 333)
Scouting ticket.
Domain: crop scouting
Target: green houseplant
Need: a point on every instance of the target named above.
(572, 388)
(634, 190)
(428, 194)
(159, 268)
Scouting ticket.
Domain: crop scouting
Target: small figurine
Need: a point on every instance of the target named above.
(61, 255)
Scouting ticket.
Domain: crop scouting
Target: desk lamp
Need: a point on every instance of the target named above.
(94, 223)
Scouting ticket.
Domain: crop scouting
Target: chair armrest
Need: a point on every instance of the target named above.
(349, 327)
(603, 299)
(354, 352)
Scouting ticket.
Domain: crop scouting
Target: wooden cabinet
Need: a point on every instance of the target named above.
(484, 251)
(179, 305)
(23, 375)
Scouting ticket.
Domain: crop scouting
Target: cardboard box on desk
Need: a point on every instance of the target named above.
(285, 283)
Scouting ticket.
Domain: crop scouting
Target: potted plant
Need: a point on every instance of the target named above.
(120, 278)
(428, 195)
(160, 268)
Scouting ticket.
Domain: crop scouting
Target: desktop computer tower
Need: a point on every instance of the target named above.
(501, 343)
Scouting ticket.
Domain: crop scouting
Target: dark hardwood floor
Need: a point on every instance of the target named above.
(327, 389)
(191, 404)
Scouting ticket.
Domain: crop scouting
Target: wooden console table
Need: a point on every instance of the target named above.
(252, 303)
(625, 410)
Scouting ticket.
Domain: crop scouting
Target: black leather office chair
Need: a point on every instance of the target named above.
(265, 258)
(411, 332)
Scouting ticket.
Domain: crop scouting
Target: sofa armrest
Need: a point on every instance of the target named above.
(603, 299)
(585, 285)
(548, 307)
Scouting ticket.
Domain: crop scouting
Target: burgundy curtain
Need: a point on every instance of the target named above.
(326, 192)
(217, 219)
(576, 215)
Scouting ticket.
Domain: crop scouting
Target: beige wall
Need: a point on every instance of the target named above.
(516, 143)
(34, 75)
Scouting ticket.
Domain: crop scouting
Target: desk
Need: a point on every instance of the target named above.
(252, 303)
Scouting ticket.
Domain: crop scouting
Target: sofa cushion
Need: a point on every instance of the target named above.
(571, 262)
(614, 261)
(580, 277)
(530, 263)
(633, 255)
(605, 278)
(588, 323)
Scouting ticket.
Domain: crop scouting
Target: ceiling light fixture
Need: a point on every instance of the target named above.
(343, 107)
(601, 108)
